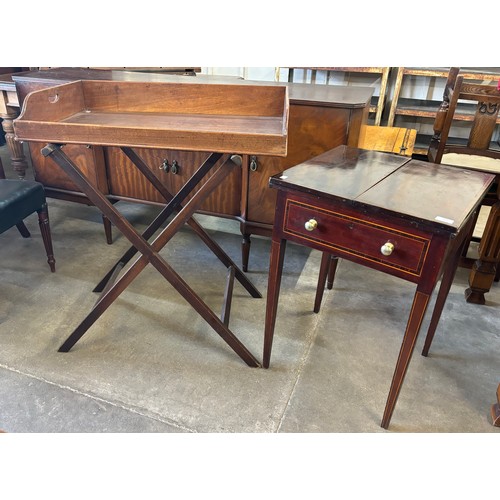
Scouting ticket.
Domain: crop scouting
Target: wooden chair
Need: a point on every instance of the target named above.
(18, 200)
(478, 153)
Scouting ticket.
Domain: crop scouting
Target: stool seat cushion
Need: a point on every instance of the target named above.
(18, 200)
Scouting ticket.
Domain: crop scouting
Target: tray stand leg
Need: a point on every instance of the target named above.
(228, 297)
(150, 252)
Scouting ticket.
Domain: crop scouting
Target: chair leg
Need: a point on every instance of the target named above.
(43, 221)
(23, 229)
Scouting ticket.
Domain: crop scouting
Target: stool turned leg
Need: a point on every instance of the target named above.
(43, 222)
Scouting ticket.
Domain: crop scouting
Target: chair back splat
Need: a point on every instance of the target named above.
(476, 105)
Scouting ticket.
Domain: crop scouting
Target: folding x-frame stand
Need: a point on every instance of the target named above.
(112, 285)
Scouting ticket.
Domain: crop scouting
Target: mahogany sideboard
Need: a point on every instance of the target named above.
(320, 118)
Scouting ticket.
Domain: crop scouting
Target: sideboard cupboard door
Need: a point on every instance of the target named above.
(312, 130)
(174, 168)
(90, 160)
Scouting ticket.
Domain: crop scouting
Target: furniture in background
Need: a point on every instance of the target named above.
(221, 121)
(170, 70)
(377, 101)
(9, 70)
(404, 217)
(396, 140)
(9, 110)
(424, 109)
(18, 200)
(321, 117)
(478, 153)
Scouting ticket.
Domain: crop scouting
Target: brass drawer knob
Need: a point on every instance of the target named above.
(387, 248)
(311, 225)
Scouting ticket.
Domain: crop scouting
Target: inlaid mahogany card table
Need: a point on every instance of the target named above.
(225, 120)
(403, 217)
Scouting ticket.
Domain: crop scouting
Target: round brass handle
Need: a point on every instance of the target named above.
(311, 225)
(387, 248)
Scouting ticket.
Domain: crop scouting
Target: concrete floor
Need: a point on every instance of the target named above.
(150, 364)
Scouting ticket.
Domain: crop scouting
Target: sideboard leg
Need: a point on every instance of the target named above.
(17, 158)
(245, 252)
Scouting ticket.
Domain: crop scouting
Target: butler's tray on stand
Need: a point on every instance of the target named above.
(224, 120)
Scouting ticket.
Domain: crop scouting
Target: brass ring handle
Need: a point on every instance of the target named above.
(311, 225)
(387, 248)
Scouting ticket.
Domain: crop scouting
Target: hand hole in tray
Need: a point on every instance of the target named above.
(53, 98)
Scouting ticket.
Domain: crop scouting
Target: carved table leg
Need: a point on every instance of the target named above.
(19, 163)
(484, 269)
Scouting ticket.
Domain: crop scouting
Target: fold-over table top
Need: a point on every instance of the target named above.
(221, 118)
(438, 196)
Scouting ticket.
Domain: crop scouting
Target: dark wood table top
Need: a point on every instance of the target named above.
(438, 196)
(303, 93)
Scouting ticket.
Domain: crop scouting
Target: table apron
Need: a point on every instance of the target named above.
(342, 233)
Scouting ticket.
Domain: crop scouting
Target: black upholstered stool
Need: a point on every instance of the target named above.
(18, 200)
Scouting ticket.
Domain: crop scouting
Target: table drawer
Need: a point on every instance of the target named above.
(353, 237)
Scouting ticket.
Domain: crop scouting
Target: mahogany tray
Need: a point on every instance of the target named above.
(244, 119)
